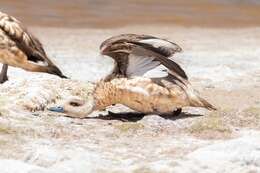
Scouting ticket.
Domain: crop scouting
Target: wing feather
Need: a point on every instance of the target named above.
(139, 65)
(144, 53)
(116, 43)
(164, 47)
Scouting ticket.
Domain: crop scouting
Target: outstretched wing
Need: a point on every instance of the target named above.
(143, 53)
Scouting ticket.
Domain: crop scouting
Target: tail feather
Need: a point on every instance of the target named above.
(206, 104)
(56, 71)
(196, 100)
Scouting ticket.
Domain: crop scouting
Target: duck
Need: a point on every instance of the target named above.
(19, 48)
(165, 91)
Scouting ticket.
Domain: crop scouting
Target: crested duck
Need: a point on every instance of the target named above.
(135, 55)
(19, 48)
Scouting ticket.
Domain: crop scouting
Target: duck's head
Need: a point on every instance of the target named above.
(75, 107)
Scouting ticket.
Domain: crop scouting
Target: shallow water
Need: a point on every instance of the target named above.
(115, 13)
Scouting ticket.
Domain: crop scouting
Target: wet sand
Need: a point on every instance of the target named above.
(116, 13)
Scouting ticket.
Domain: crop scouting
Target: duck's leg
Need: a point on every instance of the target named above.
(3, 75)
(177, 112)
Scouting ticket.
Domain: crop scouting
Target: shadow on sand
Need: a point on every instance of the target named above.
(136, 116)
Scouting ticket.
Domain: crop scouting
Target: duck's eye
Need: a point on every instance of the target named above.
(75, 104)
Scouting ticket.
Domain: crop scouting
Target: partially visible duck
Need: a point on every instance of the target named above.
(19, 48)
(134, 56)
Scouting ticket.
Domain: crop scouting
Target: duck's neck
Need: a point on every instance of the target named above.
(105, 94)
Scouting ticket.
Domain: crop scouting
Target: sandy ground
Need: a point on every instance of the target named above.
(223, 65)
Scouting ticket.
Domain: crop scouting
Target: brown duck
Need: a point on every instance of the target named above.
(19, 48)
(134, 56)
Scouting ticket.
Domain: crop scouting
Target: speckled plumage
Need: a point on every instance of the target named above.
(19, 48)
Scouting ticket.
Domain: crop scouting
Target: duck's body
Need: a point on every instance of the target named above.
(21, 49)
(145, 95)
(134, 56)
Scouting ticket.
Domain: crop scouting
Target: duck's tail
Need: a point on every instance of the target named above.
(204, 103)
(197, 101)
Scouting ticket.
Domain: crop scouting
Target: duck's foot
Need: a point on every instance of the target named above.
(177, 112)
(3, 75)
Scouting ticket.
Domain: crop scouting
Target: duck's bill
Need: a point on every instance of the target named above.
(59, 109)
